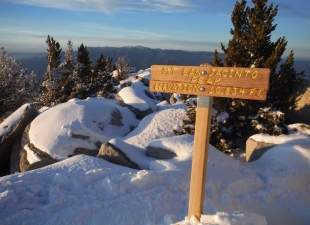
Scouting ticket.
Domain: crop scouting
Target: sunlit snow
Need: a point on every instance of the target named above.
(82, 189)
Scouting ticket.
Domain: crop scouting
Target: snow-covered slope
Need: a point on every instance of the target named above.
(86, 190)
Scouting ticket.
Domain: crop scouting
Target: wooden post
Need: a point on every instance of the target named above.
(206, 81)
(200, 156)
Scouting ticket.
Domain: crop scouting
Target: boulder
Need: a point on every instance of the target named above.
(86, 151)
(114, 155)
(144, 80)
(140, 114)
(138, 99)
(24, 163)
(41, 164)
(10, 129)
(159, 153)
(300, 111)
(172, 99)
(144, 76)
(26, 139)
(75, 127)
(255, 149)
(15, 155)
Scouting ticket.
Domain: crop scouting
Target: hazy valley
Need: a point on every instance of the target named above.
(140, 57)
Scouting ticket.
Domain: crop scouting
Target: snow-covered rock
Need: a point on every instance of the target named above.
(41, 164)
(80, 124)
(167, 148)
(155, 126)
(114, 155)
(139, 99)
(10, 129)
(159, 153)
(258, 144)
(255, 149)
(144, 76)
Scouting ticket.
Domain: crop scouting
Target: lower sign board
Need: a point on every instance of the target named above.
(227, 82)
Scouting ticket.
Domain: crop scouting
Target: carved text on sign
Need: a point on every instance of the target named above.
(211, 90)
(246, 83)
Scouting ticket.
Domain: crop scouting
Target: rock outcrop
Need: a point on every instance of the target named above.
(144, 80)
(159, 153)
(41, 164)
(300, 111)
(79, 127)
(255, 149)
(114, 155)
(138, 99)
(9, 132)
(16, 155)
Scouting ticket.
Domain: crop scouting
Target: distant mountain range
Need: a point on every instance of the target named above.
(140, 57)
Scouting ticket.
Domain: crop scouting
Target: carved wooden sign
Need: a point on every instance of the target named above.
(207, 81)
(227, 82)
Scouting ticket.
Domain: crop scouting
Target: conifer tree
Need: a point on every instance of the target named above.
(101, 64)
(109, 65)
(65, 82)
(103, 80)
(53, 57)
(83, 74)
(49, 89)
(16, 85)
(251, 46)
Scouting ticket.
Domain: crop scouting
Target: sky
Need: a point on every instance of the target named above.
(199, 25)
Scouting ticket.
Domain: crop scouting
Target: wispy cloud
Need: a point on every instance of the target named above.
(293, 9)
(109, 6)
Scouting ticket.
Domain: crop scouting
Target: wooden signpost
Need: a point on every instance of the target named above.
(206, 82)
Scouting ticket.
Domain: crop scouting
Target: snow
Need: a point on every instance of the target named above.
(89, 190)
(233, 218)
(155, 126)
(297, 132)
(8, 124)
(274, 189)
(135, 95)
(182, 146)
(79, 123)
(31, 156)
(145, 74)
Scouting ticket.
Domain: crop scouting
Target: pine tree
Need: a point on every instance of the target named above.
(65, 82)
(251, 46)
(49, 88)
(16, 85)
(101, 65)
(83, 74)
(103, 81)
(53, 57)
(109, 65)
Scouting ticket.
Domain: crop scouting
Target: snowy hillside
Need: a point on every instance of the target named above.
(87, 190)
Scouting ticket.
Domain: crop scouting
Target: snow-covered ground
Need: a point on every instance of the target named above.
(87, 190)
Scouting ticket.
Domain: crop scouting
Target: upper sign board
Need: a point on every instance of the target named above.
(226, 82)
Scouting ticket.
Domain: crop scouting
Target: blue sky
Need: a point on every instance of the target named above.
(199, 25)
